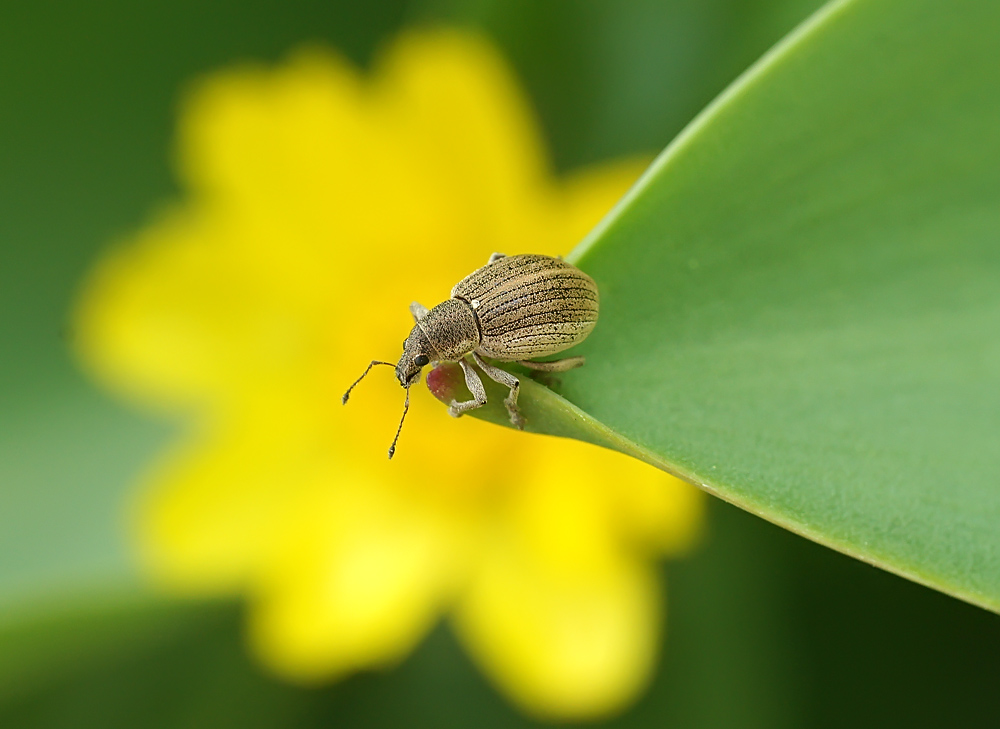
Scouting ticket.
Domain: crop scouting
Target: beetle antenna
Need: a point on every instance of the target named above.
(347, 394)
(406, 407)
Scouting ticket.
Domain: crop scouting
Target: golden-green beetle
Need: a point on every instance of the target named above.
(513, 309)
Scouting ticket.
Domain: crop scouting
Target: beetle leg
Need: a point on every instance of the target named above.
(496, 257)
(504, 378)
(418, 310)
(559, 365)
(475, 387)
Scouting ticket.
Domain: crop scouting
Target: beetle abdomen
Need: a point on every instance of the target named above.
(530, 306)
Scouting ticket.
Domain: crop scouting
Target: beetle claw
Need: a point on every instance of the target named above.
(517, 420)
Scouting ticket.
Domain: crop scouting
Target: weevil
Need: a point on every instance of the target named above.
(513, 309)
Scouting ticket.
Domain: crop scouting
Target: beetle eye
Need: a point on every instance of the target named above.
(421, 359)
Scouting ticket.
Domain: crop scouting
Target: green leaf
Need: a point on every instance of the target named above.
(801, 298)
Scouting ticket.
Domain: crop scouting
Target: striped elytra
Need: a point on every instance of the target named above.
(529, 306)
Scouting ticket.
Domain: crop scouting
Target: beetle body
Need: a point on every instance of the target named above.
(529, 306)
(513, 309)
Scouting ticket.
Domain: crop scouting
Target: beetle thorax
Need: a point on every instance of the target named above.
(451, 329)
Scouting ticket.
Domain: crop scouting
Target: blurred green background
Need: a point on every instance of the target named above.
(764, 628)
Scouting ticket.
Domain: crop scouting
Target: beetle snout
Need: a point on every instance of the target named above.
(403, 377)
(407, 372)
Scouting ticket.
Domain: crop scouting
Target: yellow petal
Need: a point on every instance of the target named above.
(562, 613)
(148, 321)
(563, 645)
(577, 497)
(361, 575)
(175, 319)
(253, 138)
(657, 511)
(210, 512)
(464, 112)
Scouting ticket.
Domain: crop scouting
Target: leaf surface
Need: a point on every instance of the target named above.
(801, 298)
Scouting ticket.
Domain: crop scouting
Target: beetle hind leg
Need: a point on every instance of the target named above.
(504, 378)
(559, 365)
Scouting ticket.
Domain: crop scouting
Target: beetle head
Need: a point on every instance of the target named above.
(417, 354)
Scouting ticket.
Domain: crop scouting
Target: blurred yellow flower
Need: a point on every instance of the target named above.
(319, 204)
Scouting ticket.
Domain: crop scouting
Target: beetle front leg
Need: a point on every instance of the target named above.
(504, 378)
(475, 386)
(418, 310)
